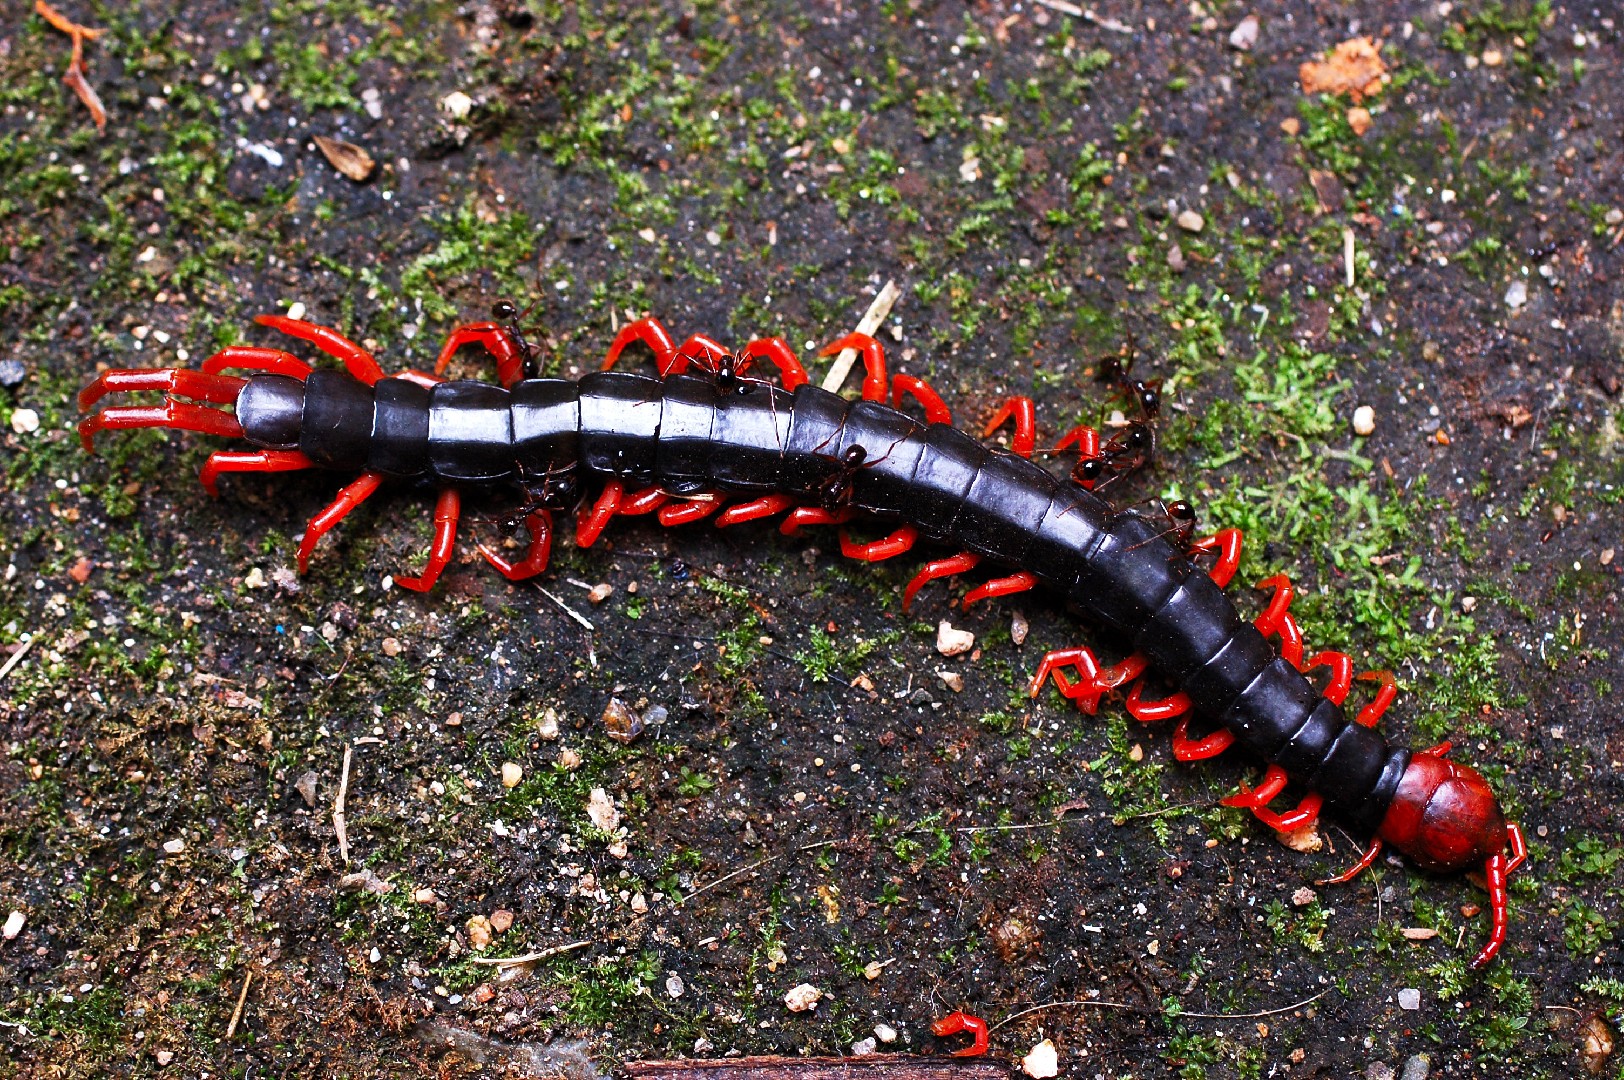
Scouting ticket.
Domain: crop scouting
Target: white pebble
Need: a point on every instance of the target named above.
(1244, 36)
(1409, 999)
(1364, 420)
(803, 997)
(1303, 897)
(1191, 221)
(601, 809)
(674, 987)
(885, 1033)
(512, 774)
(14, 925)
(25, 421)
(1517, 294)
(864, 1047)
(1041, 1061)
(255, 579)
(457, 104)
(174, 847)
(953, 642)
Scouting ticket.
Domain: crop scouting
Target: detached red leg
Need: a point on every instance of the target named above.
(230, 461)
(954, 1023)
(348, 499)
(447, 509)
(539, 523)
(357, 360)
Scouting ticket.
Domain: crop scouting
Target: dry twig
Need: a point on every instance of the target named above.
(75, 78)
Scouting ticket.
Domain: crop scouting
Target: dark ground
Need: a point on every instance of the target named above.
(761, 169)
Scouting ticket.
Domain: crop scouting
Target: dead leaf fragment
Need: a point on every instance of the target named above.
(346, 157)
(1598, 1045)
(1354, 68)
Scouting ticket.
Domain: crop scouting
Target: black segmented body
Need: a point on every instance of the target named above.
(688, 434)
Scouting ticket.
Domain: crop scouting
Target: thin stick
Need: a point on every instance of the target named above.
(242, 998)
(1194, 1015)
(1256, 1015)
(1065, 7)
(763, 861)
(571, 612)
(1347, 254)
(869, 324)
(528, 958)
(339, 825)
(17, 657)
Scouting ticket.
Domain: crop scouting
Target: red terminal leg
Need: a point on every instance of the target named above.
(936, 410)
(766, 506)
(232, 461)
(257, 358)
(1024, 414)
(357, 360)
(1188, 749)
(642, 502)
(656, 337)
(874, 379)
(691, 508)
(1004, 586)
(215, 389)
(939, 568)
(171, 414)
(1357, 868)
(956, 1022)
(778, 351)
(1227, 542)
(1341, 665)
(590, 526)
(539, 523)
(1384, 697)
(494, 337)
(447, 509)
(352, 496)
(889, 547)
(813, 515)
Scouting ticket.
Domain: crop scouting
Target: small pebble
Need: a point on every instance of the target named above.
(1615, 216)
(873, 970)
(885, 1033)
(1191, 221)
(1379, 1070)
(457, 105)
(621, 722)
(674, 987)
(296, 310)
(501, 920)
(954, 681)
(1306, 839)
(1175, 259)
(174, 847)
(803, 997)
(163, 1057)
(14, 925)
(1018, 628)
(1517, 294)
(600, 592)
(1303, 897)
(255, 579)
(391, 646)
(512, 774)
(640, 904)
(25, 421)
(479, 931)
(423, 896)
(1409, 999)
(12, 372)
(1364, 420)
(547, 726)
(1418, 933)
(600, 808)
(1468, 604)
(569, 760)
(703, 1045)
(864, 1047)
(306, 787)
(953, 642)
(1416, 1068)
(1244, 36)
(1041, 1061)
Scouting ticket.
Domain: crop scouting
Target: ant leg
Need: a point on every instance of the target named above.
(357, 360)
(1341, 665)
(353, 495)
(1384, 697)
(494, 337)
(1357, 868)
(896, 544)
(656, 337)
(257, 358)
(1004, 586)
(230, 461)
(539, 523)
(447, 509)
(939, 568)
(591, 525)
(1024, 414)
(936, 410)
(874, 378)
(171, 414)
(766, 506)
(790, 371)
(691, 508)
(813, 515)
(703, 349)
(215, 389)
(1227, 542)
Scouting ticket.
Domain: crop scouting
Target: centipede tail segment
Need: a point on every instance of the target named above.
(709, 439)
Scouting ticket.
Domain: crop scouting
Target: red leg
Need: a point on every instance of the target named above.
(777, 350)
(874, 379)
(655, 336)
(1227, 542)
(171, 414)
(1188, 749)
(1357, 868)
(936, 410)
(1384, 697)
(1024, 414)
(1149, 712)
(1274, 781)
(357, 360)
(813, 515)
(421, 378)
(1440, 750)
(539, 523)
(1268, 622)
(257, 358)
(1088, 448)
(766, 506)
(1341, 665)
(642, 502)
(891, 546)
(940, 568)
(215, 389)
(690, 508)
(494, 337)
(704, 350)
(954, 1023)
(590, 526)
(1004, 586)
(352, 496)
(230, 461)
(1086, 692)
(1305, 814)
(446, 511)
(1496, 870)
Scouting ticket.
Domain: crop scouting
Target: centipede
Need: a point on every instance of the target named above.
(711, 438)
